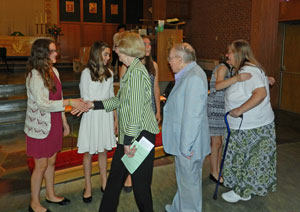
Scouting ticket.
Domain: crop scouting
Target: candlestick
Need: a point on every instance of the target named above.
(46, 18)
(41, 18)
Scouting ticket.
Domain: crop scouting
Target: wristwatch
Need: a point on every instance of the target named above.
(93, 105)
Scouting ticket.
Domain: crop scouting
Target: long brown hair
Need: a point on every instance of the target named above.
(148, 62)
(98, 70)
(243, 54)
(39, 60)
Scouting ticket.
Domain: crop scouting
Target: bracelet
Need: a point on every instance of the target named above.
(70, 102)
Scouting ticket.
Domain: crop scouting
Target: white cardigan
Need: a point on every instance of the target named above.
(38, 118)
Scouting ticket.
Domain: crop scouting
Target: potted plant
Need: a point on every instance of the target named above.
(55, 31)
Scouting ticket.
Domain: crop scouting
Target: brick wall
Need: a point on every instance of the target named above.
(216, 23)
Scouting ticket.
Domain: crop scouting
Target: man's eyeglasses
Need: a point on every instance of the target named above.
(171, 58)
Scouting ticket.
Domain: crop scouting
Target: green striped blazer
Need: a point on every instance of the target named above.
(133, 103)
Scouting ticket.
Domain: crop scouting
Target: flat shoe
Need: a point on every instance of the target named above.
(214, 179)
(86, 199)
(31, 210)
(65, 201)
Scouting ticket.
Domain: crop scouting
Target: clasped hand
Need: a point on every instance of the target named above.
(79, 110)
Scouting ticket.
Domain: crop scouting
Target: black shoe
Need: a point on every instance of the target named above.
(86, 199)
(127, 189)
(65, 201)
(214, 179)
(102, 190)
(31, 210)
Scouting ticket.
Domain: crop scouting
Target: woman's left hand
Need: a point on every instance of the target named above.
(235, 112)
(129, 152)
(66, 129)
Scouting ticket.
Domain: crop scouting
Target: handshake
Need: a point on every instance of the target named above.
(78, 106)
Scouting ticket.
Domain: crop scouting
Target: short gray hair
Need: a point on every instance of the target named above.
(186, 52)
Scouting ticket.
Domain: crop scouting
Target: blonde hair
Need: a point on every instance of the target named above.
(130, 44)
(243, 54)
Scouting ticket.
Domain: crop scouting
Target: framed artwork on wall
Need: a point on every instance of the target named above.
(69, 6)
(69, 10)
(92, 11)
(114, 11)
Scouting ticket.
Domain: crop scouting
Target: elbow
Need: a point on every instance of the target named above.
(218, 86)
(263, 94)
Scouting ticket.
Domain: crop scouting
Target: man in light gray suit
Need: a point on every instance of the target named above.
(185, 128)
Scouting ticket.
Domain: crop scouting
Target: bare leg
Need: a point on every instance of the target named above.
(36, 181)
(49, 178)
(215, 156)
(128, 181)
(102, 161)
(87, 167)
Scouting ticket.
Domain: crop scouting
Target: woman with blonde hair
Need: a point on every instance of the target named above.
(152, 69)
(136, 120)
(250, 163)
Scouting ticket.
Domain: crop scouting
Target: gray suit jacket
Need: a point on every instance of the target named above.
(185, 123)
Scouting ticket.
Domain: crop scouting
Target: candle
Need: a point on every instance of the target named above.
(41, 18)
(36, 19)
(45, 18)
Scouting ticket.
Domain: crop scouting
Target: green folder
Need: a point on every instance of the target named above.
(143, 148)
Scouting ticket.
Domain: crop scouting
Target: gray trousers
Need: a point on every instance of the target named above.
(188, 197)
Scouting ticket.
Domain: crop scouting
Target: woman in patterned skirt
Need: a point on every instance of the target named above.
(250, 163)
(221, 78)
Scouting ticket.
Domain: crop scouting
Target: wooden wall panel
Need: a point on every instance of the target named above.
(166, 39)
(159, 8)
(108, 32)
(279, 48)
(290, 95)
(289, 11)
(264, 26)
(292, 49)
(77, 35)
(178, 9)
(91, 33)
(290, 99)
(70, 41)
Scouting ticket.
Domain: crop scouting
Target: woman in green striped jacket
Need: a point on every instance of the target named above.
(136, 120)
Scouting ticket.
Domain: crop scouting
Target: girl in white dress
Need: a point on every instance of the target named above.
(97, 127)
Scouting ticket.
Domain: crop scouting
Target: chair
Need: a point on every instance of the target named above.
(3, 57)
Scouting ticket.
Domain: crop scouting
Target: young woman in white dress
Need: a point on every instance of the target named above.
(98, 127)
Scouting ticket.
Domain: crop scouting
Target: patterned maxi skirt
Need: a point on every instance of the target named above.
(250, 164)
